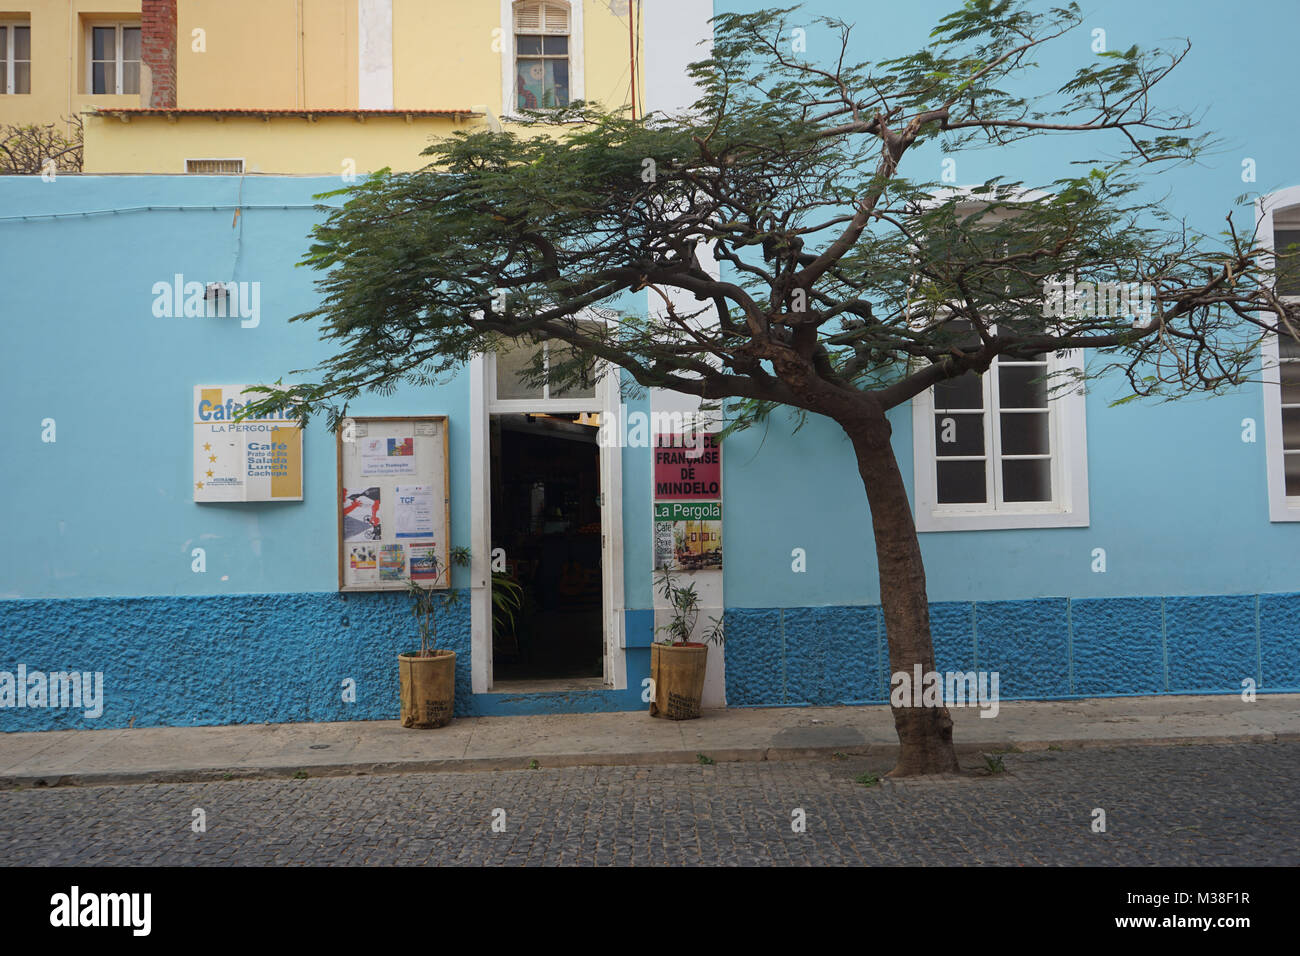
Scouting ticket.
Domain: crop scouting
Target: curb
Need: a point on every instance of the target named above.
(644, 758)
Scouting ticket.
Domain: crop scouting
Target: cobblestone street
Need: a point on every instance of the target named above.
(1164, 805)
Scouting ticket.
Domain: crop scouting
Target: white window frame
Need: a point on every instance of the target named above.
(119, 26)
(7, 60)
(1280, 506)
(1068, 445)
(542, 402)
(577, 73)
(1067, 438)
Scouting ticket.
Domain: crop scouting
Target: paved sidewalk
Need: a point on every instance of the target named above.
(172, 754)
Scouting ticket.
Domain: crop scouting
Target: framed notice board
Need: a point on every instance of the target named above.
(394, 510)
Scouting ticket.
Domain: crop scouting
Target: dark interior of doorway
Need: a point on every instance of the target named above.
(546, 517)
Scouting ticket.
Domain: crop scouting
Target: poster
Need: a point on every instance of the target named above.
(394, 512)
(413, 511)
(387, 456)
(392, 562)
(688, 535)
(363, 557)
(361, 520)
(687, 502)
(259, 459)
(363, 562)
(424, 560)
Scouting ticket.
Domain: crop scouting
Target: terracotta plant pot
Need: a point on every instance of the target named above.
(428, 689)
(678, 674)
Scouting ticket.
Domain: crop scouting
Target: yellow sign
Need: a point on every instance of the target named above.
(256, 459)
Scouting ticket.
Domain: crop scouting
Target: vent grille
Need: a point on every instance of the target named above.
(215, 167)
(541, 18)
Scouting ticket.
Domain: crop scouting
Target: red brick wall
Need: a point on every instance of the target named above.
(158, 46)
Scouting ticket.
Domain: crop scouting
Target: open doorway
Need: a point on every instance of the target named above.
(546, 518)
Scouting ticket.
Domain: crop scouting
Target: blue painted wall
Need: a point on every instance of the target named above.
(101, 523)
(103, 578)
(1179, 502)
(111, 510)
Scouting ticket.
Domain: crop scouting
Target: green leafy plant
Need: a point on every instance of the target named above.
(684, 603)
(425, 603)
(867, 779)
(507, 599)
(993, 763)
(705, 759)
(534, 765)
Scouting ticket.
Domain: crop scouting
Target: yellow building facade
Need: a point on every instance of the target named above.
(55, 36)
(306, 86)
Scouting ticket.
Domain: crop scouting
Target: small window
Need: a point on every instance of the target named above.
(1005, 449)
(214, 167)
(511, 381)
(1008, 448)
(15, 57)
(542, 38)
(992, 436)
(114, 58)
(1286, 250)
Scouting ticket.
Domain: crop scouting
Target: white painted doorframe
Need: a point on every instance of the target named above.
(482, 382)
(611, 532)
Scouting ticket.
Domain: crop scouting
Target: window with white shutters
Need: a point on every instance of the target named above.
(542, 39)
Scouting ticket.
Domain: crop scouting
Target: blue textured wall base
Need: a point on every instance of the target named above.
(283, 658)
(1042, 649)
(252, 658)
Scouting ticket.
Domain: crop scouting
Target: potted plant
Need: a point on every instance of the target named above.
(677, 664)
(428, 676)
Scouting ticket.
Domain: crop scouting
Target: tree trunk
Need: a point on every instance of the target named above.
(924, 733)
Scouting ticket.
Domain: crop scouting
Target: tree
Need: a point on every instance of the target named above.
(848, 288)
(34, 148)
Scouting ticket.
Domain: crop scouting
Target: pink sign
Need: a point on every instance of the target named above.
(687, 472)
